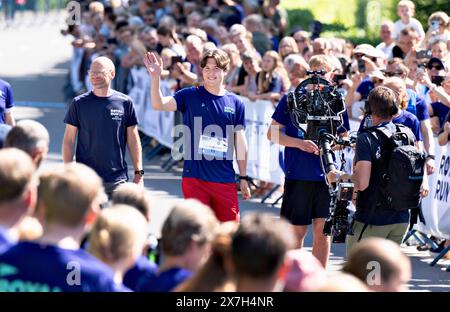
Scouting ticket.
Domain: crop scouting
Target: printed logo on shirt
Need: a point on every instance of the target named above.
(116, 114)
(6, 270)
(228, 109)
(378, 153)
(18, 285)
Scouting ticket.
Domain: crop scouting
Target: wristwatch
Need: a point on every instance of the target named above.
(244, 178)
(139, 172)
(430, 157)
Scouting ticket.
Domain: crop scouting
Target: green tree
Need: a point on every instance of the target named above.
(300, 17)
(424, 8)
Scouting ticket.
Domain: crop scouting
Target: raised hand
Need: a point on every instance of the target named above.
(153, 64)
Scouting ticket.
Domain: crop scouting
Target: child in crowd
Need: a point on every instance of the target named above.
(287, 46)
(118, 238)
(273, 80)
(406, 10)
(137, 197)
(438, 24)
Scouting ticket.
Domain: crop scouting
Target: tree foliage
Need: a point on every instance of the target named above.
(424, 8)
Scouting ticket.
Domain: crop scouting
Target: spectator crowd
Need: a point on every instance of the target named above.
(62, 215)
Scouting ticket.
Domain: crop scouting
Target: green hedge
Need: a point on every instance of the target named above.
(424, 8)
(355, 20)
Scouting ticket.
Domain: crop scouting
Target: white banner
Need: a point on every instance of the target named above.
(155, 124)
(139, 93)
(263, 156)
(436, 206)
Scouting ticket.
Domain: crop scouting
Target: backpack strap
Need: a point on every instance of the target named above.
(407, 132)
(383, 136)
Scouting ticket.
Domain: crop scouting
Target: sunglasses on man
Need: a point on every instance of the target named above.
(435, 66)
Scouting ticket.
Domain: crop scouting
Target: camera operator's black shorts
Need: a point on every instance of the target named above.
(304, 201)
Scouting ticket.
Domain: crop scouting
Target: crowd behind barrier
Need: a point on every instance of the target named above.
(156, 124)
(251, 36)
(265, 64)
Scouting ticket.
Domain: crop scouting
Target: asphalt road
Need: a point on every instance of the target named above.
(34, 58)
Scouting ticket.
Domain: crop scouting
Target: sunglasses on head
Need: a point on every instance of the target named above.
(435, 66)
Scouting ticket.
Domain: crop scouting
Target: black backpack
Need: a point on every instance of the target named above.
(402, 168)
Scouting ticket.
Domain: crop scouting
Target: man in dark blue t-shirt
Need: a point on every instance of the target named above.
(103, 122)
(6, 104)
(214, 122)
(381, 222)
(68, 199)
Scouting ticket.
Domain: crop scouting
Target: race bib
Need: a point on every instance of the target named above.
(213, 146)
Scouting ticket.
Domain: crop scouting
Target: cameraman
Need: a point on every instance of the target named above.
(306, 198)
(385, 223)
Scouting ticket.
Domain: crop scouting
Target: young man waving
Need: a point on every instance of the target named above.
(214, 122)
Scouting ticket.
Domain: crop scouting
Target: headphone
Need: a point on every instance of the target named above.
(393, 109)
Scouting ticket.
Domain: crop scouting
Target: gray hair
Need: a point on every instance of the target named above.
(195, 40)
(295, 58)
(209, 23)
(29, 136)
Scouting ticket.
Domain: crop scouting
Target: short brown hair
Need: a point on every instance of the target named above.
(260, 245)
(29, 136)
(384, 252)
(68, 192)
(188, 221)
(381, 100)
(16, 173)
(220, 56)
(400, 65)
(409, 31)
(133, 195)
